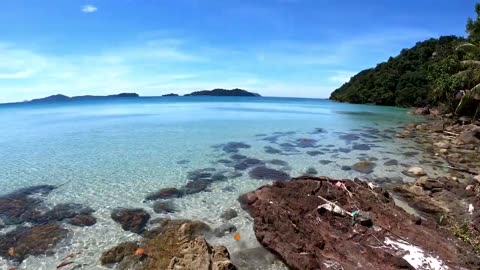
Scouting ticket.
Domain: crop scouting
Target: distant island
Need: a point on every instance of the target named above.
(215, 92)
(224, 93)
(62, 98)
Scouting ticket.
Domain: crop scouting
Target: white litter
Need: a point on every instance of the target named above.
(418, 258)
(470, 209)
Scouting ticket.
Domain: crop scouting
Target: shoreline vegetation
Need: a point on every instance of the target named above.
(441, 73)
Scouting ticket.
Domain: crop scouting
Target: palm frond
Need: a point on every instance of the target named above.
(471, 63)
(475, 92)
(468, 46)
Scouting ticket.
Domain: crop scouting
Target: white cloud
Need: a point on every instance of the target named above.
(341, 76)
(89, 9)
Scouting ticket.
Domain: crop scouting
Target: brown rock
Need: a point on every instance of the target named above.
(199, 255)
(165, 193)
(470, 136)
(287, 221)
(83, 220)
(118, 253)
(421, 111)
(35, 241)
(175, 244)
(133, 220)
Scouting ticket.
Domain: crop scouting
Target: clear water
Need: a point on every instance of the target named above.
(113, 153)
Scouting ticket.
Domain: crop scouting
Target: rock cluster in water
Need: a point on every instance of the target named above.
(174, 244)
(45, 230)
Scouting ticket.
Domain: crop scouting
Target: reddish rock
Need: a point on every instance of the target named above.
(35, 241)
(133, 220)
(287, 221)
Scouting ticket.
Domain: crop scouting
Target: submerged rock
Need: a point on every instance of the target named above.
(248, 163)
(20, 206)
(133, 220)
(325, 162)
(164, 193)
(361, 147)
(224, 230)
(200, 173)
(289, 221)
(391, 162)
(272, 150)
(234, 147)
(349, 137)
(278, 162)
(315, 153)
(197, 186)
(163, 207)
(306, 143)
(26, 205)
(365, 167)
(414, 172)
(31, 241)
(82, 220)
(311, 171)
(229, 214)
(264, 173)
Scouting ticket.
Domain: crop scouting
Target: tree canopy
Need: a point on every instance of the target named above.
(416, 77)
(430, 73)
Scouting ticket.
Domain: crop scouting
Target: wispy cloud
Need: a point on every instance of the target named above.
(341, 76)
(157, 64)
(89, 9)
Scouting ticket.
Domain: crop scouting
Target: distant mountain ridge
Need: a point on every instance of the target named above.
(62, 98)
(224, 93)
(215, 92)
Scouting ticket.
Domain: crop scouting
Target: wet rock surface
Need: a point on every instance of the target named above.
(288, 221)
(441, 196)
(174, 244)
(20, 206)
(133, 220)
(31, 241)
(27, 205)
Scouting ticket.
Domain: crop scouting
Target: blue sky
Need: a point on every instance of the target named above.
(303, 48)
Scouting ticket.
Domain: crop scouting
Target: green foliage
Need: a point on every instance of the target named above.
(418, 76)
(473, 26)
(467, 234)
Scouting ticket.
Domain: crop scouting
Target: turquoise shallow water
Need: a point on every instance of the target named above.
(113, 153)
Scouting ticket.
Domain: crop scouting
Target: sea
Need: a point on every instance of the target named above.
(112, 153)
